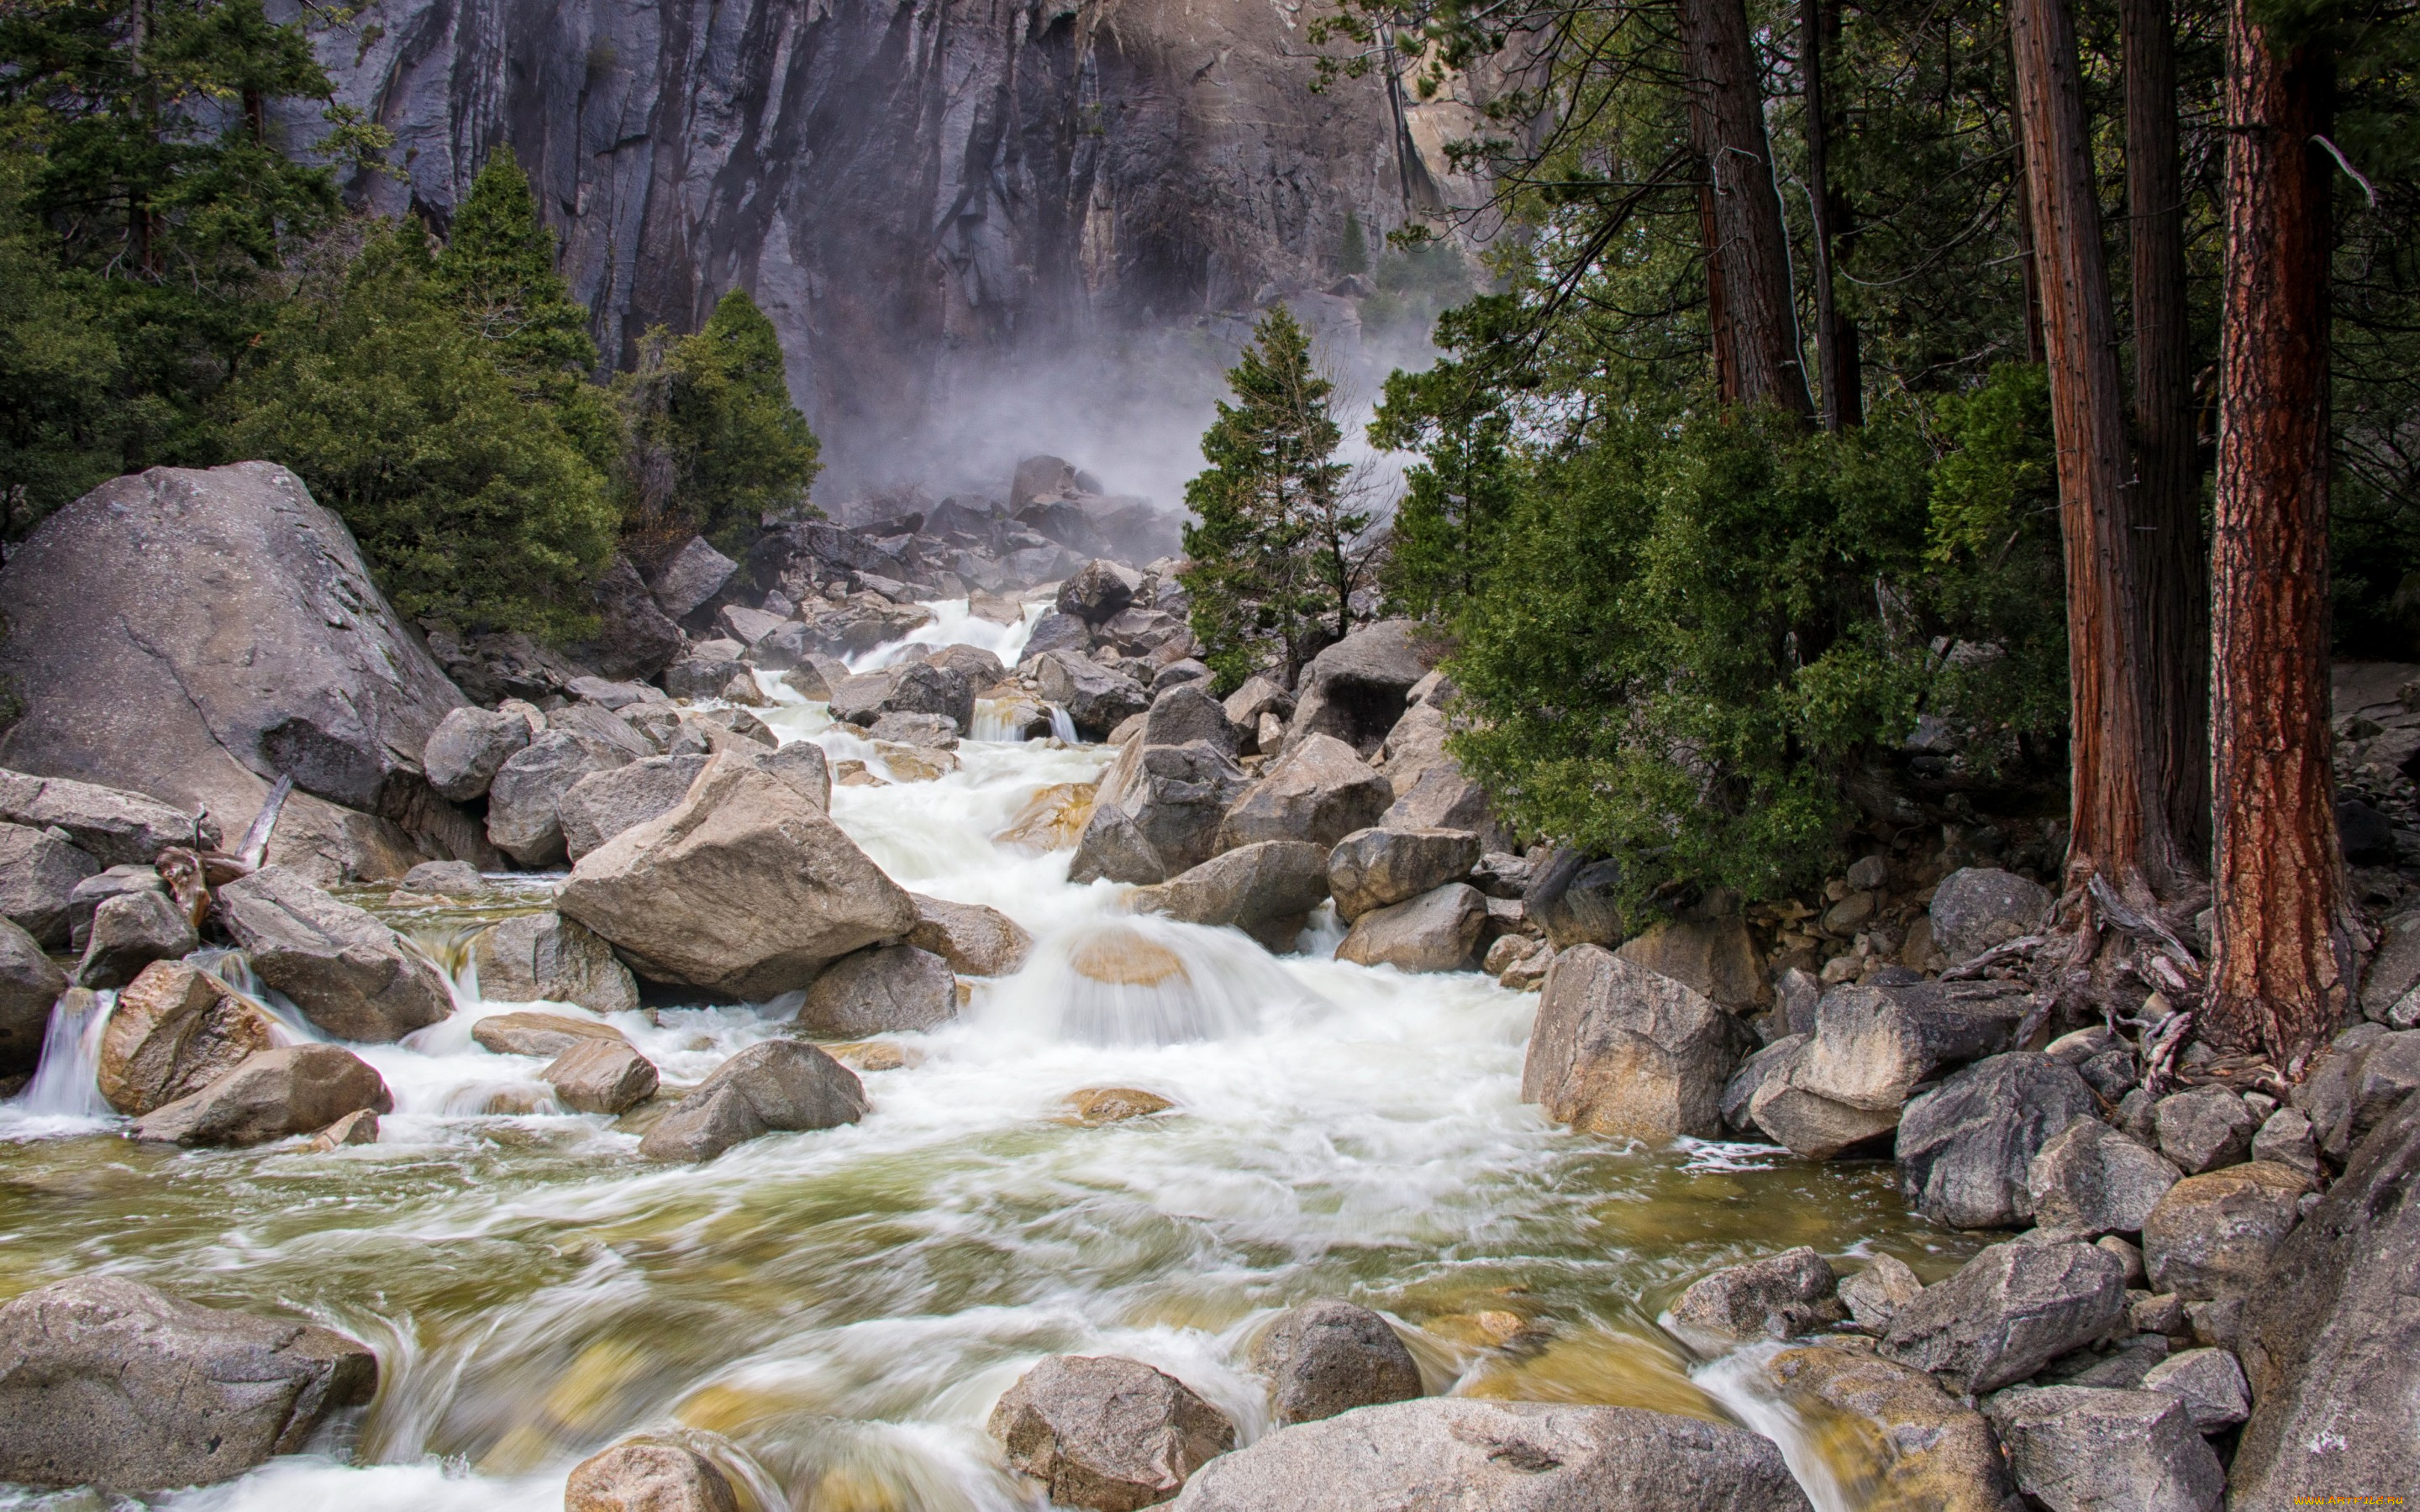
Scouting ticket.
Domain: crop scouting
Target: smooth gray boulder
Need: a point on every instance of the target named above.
(114, 826)
(526, 1033)
(907, 687)
(1159, 814)
(468, 747)
(2211, 1237)
(1372, 868)
(2210, 1383)
(1873, 1044)
(642, 1476)
(1808, 1123)
(779, 1085)
(1267, 890)
(707, 672)
(1329, 1356)
(2087, 1449)
(880, 990)
(927, 732)
(1778, 1297)
(1259, 694)
(2008, 1312)
(1619, 1049)
(1055, 631)
(802, 765)
(29, 985)
(129, 933)
(458, 879)
(1319, 791)
(1977, 907)
(105, 1381)
(545, 957)
(272, 1094)
(1186, 712)
(1097, 698)
(973, 939)
(600, 1076)
(600, 805)
(1356, 689)
(2092, 1179)
(1097, 590)
(1739, 1092)
(524, 802)
(345, 970)
(2204, 1128)
(1472, 1456)
(689, 577)
(1106, 1433)
(1964, 1148)
(38, 875)
(1433, 931)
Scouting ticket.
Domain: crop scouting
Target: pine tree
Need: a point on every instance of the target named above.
(1276, 551)
(1457, 499)
(498, 266)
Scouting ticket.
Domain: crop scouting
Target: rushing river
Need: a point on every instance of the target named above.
(845, 1305)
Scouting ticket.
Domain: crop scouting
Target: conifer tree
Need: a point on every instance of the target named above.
(1457, 500)
(498, 266)
(1278, 552)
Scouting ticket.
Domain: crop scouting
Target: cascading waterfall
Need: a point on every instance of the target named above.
(843, 1308)
(66, 1088)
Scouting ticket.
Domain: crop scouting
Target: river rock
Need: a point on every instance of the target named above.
(2331, 1339)
(545, 957)
(1159, 814)
(1091, 1107)
(451, 879)
(2203, 1128)
(1808, 1123)
(691, 577)
(889, 988)
(1266, 890)
(1713, 955)
(468, 747)
(745, 889)
(914, 688)
(109, 825)
(1873, 1044)
(1330, 1356)
(618, 697)
(1372, 868)
(1433, 931)
(1097, 698)
(129, 933)
(1259, 694)
(108, 1382)
(1439, 796)
(1574, 901)
(1977, 907)
(1939, 1453)
(925, 731)
(1875, 1294)
(2090, 1179)
(1470, 1455)
(707, 672)
(600, 805)
(38, 875)
(2211, 1237)
(537, 1034)
(1778, 1297)
(1965, 1147)
(176, 1029)
(1099, 589)
(2008, 1312)
(973, 939)
(1356, 689)
(600, 1076)
(2087, 1449)
(269, 1095)
(99, 888)
(775, 1086)
(524, 803)
(1108, 1434)
(345, 970)
(2387, 1075)
(1739, 1093)
(29, 985)
(1619, 1049)
(2210, 1383)
(1055, 631)
(1186, 712)
(2286, 1139)
(643, 1476)
(1319, 791)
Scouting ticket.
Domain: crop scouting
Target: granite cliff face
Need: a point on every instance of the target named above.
(936, 201)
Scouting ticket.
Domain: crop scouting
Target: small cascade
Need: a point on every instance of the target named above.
(1738, 1382)
(1061, 727)
(954, 625)
(232, 967)
(66, 1082)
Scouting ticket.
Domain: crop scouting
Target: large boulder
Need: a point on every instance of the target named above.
(778, 1086)
(1266, 890)
(38, 876)
(29, 985)
(525, 800)
(1873, 1044)
(888, 988)
(1977, 907)
(2008, 1312)
(1327, 1357)
(105, 1381)
(2211, 1383)
(1356, 689)
(345, 970)
(1940, 1453)
(2093, 1449)
(1433, 931)
(1371, 869)
(646, 1475)
(1807, 1123)
(1320, 790)
(1471, 1455)
(973, 939)
(176, 1029)
(112, 827)
(1778, 1297)
(1099, 589)
(2203, 1128)
(533, 958)
(2331, 1336)
(910, 687)
(191, 634)
(1108, 1434)
(1619, 1049)
(2211, 1237)
(635, 638)
(2090, 1179)
(1098, 700)
(600, 805)
(1713, 955)
(691, 577)
(607, 1076)
(1574, 901)
(1965, 1147)
(468, 747)
(272, 1094)
(129, 933)
(1184, 712)
(526, 1033)
(1159, 814)
(745, 889)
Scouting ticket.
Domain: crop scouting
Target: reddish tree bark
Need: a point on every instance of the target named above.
(1747, 259)
(2167, 510)
(2283, 971)
(2120, 831)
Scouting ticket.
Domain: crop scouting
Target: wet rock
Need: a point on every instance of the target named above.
(29, 985)
(693, 576)
(1713, 955)
(468, 747)
(1055, 631)
(2286, 1139)
(1778, 1297)
(642, 1475)
(345, 970)
(359, 1127)
(1372, 868)
(1097, 698)
(815, 675)
(1186, 712)
(2211, 1384)
(600, 805)
(776, 1085)
(105, 1381)
(745, 889)
(1740, 1091)
(548, 958)
(537, 1034)
(1094, 1106)
(2092, 1179)
(1098, 589)
(973, 939)
(453, 879)
(1328, 1357)
(1318, 790)
(1159, 814)
(1875, 1294)
(176, 1029)
(2211, 1236)
(524, 802)
(99, 888)
(881, 990)
(38, 875)
(129, 933)
(634, 637)
(1938, 1454)
(2006, 1313)
(2082, 1449)
(910, 687)
(1810, 1123)
(271, 1094)
(1356, 689)
(1873, 1044)
(600, 1076)
(1978, 907)
(2203, 1128)
(973, 663)
(1433, 931)
(928, 732)
(1500, 1457)
(1575, 901)
(1964, 1147)
(1106, 1433)
(1619, 1049)
(1266, 890)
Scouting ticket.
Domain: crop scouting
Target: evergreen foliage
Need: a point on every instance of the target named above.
(1457, 500)
(498, 267)
(1353, 255)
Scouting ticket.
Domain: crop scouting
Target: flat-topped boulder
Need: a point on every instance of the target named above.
(1371, 869)
(1619, 1049)
(1320, 790)
(272, 1094)
(1433, 931)
(2008, 1312)
(537, 1034)
(346, 971)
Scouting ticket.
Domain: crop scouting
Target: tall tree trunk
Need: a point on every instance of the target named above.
(2029, 266)
(1834, 364)
(1720, 319)
(2121, 830)
(1727, 126)
(2167, 510)
(2283, 972)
